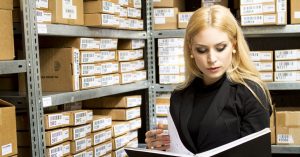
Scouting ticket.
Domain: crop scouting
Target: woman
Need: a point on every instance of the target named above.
(222, 98)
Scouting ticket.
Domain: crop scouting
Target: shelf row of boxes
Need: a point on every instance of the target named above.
(98, 130)
(125, 14)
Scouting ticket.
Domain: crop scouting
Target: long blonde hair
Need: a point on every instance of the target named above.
(241, 68)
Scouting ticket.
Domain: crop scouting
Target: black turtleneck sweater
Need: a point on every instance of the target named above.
(202, 100)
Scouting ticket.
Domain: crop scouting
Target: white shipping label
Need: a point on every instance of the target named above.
(287, 76)
(88, 82)
(76, 68)
(162, 109)
(120, 153)
(159, 20)
(133, 113)
(66, 120)
(287, 65)
(252, 20)
(254, 55)
(269, 8)
(100, 150)
(134, 13)
(285, 138)
(156, 0)
(171, 42)
(137, 43)
(132, 135)
(105, 56)
(287, 54)
(108, 122)
(120, 129)
(270, 19)
(127, 77)
(250, 1)
(251, 9)
(123, 12)
(88, 43)
(121, 141)
(108, 147)
(99, 138)
(170, 51)
(133, 144)
(66, 149)
(162, 120)
(47, 101)
(171, 79)
(266, 76)
(69, 12)
(39, 16)
(170, 69)
(138, 54)
(47, 17)
(80, 144)
(171, 60)
(55, 120)
(140, 75)
(42, 4)
(66, 134)
(99, 124)
(108, 80)
(109, 67)
(281, 18)
(264, 66)
(56, 136)
(88, 142)
(281, 5)
(108, 7)
(126, 55)
(139, 64)
(108, 44)
(80, 118)
(67, 2)
(79, 132)
(56, 151)
(90, 154)
(124, 23)
(42, 28)
(89, 116)
(107, 19)
(137, 4)
(133, 101)
(184, 17)
(6, 149)
(88, 69)
(166, 12)
(134, 124)
(123, 2)
(82, 154)
(267, 56)
(127, 66)
(297, 14)
(87, 57)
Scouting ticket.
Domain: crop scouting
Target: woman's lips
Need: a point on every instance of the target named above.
(213, 69)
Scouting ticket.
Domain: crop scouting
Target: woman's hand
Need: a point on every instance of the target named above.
(157, 139)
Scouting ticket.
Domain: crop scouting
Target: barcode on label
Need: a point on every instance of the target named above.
(56, 151)
(108, 7)
(79, 132)
(80, 118)
(55, 120)
(185, 17)
(100, 150)
(80, 144)
(285, 138)
(86, 43)
(56, 136)
(87, 57)
(252, 20)
(163, 12)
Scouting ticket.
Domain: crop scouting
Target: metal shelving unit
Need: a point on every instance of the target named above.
(53, 99)
(285, 149)
(12, 67)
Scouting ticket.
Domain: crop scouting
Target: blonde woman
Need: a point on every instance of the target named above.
(223, 98)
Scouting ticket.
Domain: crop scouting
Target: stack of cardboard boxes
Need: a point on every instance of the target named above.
(162, 109)
(287, 65)
(6, 31)
(263, 61)
(263, 12)
(170, 60)
(125, 113)
(119, 14)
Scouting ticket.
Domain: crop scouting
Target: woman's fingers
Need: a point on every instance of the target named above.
(152, 133)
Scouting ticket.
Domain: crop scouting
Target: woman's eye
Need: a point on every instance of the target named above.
(201, 50)
(221, 48)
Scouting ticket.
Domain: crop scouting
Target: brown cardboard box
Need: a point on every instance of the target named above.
(129, 55)
(165, 18)
(56, 120)
(114, 102)
(81, 144)
(261, 55)
(135, 124)
(67, 42)
(57, 136)
(288, 135)
(286, 76)
(99, 6)
(79, 117)
(110, 79)
(43, 16)
(120, 114)
(288, 117)
(131, 44)
(88, 82)
(183, 19)
(169, 4)
(207, 3)
(63, 149)
(89, 152)
(119, 142)
(259, 8)
(295, 11)
(80, 131)
(59, 69)
(97, 56)
(8, 131)
(273, 135)
(119, 128)
(262, 19)
(102, 149)
(101, 122)
(6, 38)
(163, 100)
(23, 138)
(65, 13)
(101, 136)
(101, 20)
(6, 5)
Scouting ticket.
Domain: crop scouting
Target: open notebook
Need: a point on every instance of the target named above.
(254, 145)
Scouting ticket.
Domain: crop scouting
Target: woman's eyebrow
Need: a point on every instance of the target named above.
(222, 42)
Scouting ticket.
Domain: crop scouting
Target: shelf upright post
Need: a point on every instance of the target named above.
(151, 114)
(34, 93)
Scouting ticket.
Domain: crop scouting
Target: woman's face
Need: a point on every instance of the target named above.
(212, 51)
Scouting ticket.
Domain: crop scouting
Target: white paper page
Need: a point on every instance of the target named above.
(176, 146)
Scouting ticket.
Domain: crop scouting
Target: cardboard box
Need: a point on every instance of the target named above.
(108, 155)
(101, 123)
(97, 56)
(163, 99)
(129, 55)
(6, 4)
(80, 131)
(171, 79)
(128, 77)
(131, 44)
(42, 4)
(260, 8)
(23, 138)
(119, 142)
(81, 144)
(88, 82)
(286, 76)
(208, 3)
(140, 75)
(114, 102)
(59, 150)
(102, 136)
(245, 2)
(86, 153)
(121, 11)
(293, 54)
(99, 68)
(57, 136)
(101, 20)
(171, 42)
(165, 18)
(6, 31)
(184, 18)
(135, 124)
(108, 44)
(261, 55)
(119, 128)
(171, 69)
(43, 16)
(55, 69)
(273, 135)
(131, 66)
(169, 4)
(102, 149)
(109, 80)
(267, 76)
(287, 65)
(119, 153)
(123, 3)
(288, 117)
(63, 12)
(133, 134)
(56, 120)
(136, 24)
(99, 6)
(79, 117)
(170, 51)
(133, 143)
(259, 19)
(288, 135)
(264, 66)
(162, 110)
(134, 13)
(136, 3)
(120, 114)
(295, 11)
(170, 60)
(68, 42)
